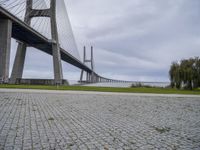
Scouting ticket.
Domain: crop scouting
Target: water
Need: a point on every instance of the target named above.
(153, 84)
(128, 84)
(73, 82)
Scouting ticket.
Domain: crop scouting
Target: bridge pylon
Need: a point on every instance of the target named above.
(90, 77)
(5, 41)
(18, 66)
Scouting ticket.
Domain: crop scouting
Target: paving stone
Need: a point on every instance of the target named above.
(92, 121)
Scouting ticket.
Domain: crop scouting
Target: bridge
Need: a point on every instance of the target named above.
(23, 20)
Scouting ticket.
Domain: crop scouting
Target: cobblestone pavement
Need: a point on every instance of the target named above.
(92, 121)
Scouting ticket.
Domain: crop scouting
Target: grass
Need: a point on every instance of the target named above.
(105, 89)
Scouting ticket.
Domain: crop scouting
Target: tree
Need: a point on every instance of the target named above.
(175, 75)
(185, 74)
(172, 73)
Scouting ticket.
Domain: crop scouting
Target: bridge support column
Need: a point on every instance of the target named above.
(21, 50)
(81, 77)
(87, 77)
(18, 65)
(58, 74)
(92, 77)
(57, 66)
(5, 42)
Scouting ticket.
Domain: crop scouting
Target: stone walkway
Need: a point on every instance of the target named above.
(32, 120)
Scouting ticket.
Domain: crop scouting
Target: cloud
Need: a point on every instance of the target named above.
(139, 37)
(133, 40)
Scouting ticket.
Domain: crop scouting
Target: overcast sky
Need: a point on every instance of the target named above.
(132, 39)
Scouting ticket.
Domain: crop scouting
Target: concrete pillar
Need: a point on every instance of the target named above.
(90, 77)
(92, 66)
(58, 74)
(92, 59)
(5, 42)
(95, 78)
(18, 65)
(21, 50)
(84, 59)
(87, 77)
(81, 77)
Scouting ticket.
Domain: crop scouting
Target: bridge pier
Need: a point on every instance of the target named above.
(87, 77)
(57, 66)
(94, 79)
(90, 76)
(18, 65)
(5, 42)
(81, 77)
(97, 79)
(58, 74)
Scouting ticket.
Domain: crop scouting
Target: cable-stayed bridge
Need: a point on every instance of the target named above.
(45, 25)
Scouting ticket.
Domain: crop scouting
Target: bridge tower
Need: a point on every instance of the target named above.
(89, 76)
(5, 41)
(22, 47)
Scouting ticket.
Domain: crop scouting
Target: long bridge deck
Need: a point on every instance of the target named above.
(24, 33)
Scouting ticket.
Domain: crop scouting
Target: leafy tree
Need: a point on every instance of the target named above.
(185, 74)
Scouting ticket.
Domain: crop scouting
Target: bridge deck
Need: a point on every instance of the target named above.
(23, 32)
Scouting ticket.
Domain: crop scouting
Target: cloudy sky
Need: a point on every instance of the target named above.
(133, 39)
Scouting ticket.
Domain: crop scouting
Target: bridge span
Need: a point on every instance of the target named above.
(13, 27)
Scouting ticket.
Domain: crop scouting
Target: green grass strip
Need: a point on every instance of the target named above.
(105, 89)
